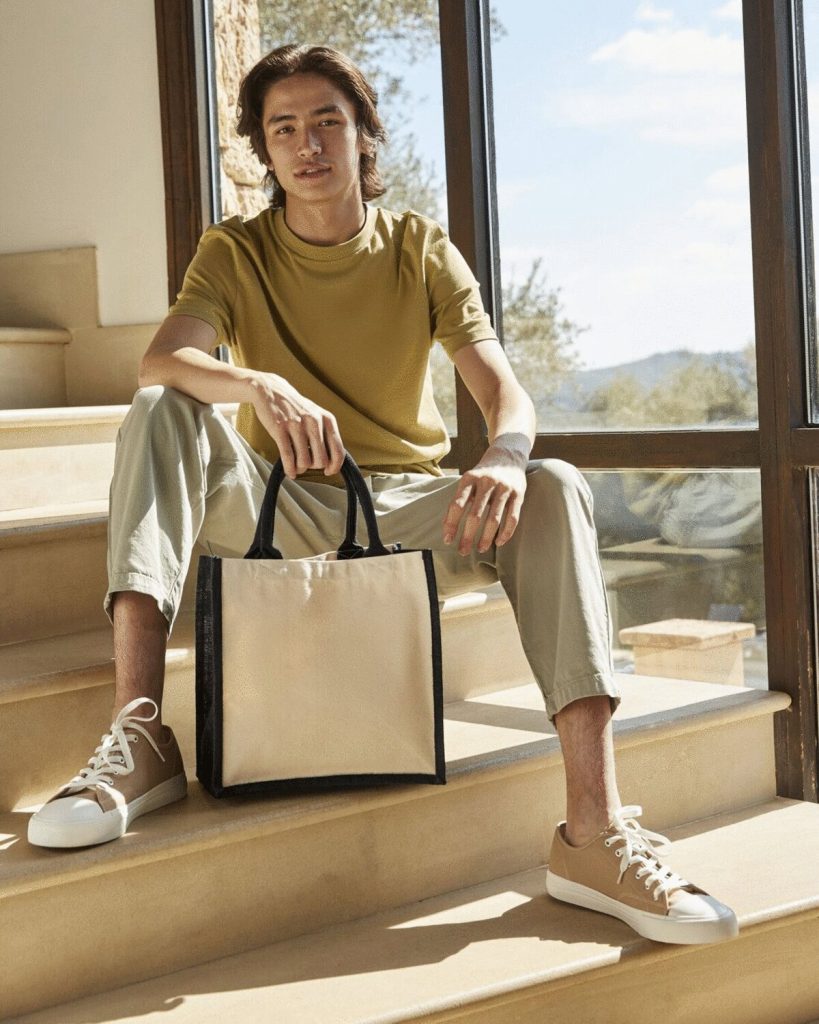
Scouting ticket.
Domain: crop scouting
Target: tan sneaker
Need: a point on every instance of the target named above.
(619, 873)
(125, 778)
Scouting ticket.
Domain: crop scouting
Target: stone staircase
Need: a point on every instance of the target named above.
(404, 903)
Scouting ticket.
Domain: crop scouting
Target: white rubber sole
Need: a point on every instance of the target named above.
(659, 928)
(110, 825)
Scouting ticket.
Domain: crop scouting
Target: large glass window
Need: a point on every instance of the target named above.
(810, 15)
(624, 213)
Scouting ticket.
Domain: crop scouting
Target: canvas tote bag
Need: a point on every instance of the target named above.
(318, 672)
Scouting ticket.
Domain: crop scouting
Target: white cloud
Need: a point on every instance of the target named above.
(648, 12)
(731, 11)
(675, 51)
(674, 111)
(729, 179)
(723, 214)
(680, 86)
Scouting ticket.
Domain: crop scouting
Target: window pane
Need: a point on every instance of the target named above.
(624, 212)
(684, 545)
(810, 13)
(397, 47)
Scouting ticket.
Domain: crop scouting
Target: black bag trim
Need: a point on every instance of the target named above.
(437, 666)
(209, 674)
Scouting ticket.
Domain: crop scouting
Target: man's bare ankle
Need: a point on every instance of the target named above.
(580, 831)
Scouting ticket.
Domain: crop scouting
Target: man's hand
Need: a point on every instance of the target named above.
(497, 481)
(306, 435)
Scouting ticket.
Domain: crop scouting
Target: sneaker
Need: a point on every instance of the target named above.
(619, 873)
(120, 782)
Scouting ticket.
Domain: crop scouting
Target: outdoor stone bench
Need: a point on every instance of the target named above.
(690, 649)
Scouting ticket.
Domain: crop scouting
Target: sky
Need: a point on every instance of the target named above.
(622, 162)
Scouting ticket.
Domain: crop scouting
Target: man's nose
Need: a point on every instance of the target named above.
(309, 142)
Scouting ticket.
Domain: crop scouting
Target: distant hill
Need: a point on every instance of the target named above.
(648, 371)
(564, 411)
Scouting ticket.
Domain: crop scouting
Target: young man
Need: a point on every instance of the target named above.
(330, 307)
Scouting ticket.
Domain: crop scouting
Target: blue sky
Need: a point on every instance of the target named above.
(622, 161)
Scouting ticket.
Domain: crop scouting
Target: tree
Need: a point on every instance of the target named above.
(704, 390)
(540, 343)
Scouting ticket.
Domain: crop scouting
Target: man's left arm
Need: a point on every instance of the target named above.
(498, 480)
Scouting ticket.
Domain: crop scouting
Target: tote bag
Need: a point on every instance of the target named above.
(318, 672)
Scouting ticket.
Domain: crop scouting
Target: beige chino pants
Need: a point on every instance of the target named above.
(183, 473)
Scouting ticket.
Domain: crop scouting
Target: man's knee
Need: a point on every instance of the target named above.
(160, 395)
(556, 480)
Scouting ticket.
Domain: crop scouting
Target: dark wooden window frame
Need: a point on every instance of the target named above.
(784, 449)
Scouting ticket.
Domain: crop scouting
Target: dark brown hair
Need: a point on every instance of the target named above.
(339, 69)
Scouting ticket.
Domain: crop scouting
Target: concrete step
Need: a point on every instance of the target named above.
(504, 951)
(32, 366)
(52, 560)
(60, 456)
(205, 878)
(48, 682)
(56, 467)
(57, 456)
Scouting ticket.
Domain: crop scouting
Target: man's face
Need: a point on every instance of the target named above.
(309, 122)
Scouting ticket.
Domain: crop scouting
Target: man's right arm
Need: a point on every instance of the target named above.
(179, 357)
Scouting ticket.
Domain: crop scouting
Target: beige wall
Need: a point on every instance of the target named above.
(82, 149)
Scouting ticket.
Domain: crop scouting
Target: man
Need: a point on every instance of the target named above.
(330, 306)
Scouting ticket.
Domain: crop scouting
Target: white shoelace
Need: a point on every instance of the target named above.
(638, 850)
(113, 756)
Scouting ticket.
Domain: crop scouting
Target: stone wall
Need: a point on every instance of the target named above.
(236, 28)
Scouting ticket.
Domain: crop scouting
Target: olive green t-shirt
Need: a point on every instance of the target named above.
(349, 326)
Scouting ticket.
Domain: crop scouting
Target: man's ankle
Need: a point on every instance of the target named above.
(155, 728)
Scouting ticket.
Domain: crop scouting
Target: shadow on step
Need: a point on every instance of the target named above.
(498, 935)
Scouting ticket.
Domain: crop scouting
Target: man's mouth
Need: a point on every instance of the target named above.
(312, 172)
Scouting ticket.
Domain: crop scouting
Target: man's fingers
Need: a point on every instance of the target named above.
(318, 446)
(455, 511)
(335, 447)
(301, 448)
(510, 520)
(497, 526)
(286, 455)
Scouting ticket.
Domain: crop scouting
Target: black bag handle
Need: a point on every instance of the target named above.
(262, 546)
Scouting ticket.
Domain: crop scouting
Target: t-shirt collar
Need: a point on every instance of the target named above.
(324, 252)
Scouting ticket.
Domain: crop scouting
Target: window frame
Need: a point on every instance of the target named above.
(784, 447)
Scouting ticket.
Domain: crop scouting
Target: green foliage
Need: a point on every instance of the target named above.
(540, 343)
(702, 391)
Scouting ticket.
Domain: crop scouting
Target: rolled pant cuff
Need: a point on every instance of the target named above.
(142, 584)
(598, 684)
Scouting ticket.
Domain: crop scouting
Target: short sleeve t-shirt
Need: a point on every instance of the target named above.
(349, 326)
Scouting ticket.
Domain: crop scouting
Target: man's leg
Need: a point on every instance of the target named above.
(600, 857)
(551, 572)
(140, 643)
(181, 473)
(585, 732)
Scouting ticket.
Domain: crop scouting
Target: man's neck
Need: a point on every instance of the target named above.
(325, 225)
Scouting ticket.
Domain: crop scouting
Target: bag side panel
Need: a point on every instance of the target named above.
(209, 674)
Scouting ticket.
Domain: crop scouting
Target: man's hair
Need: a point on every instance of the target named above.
(339, 69)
